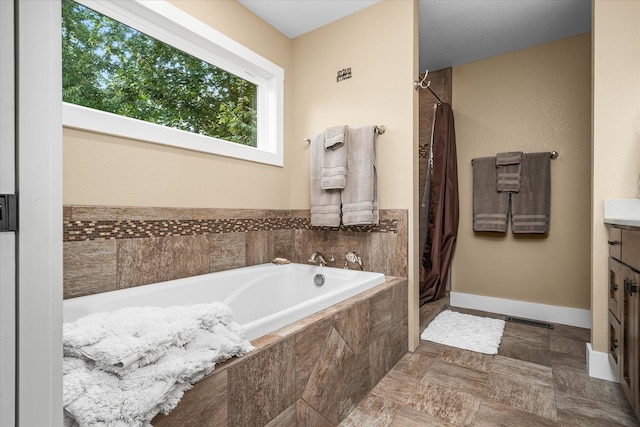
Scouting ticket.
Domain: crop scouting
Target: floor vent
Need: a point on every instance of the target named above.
(529, 322)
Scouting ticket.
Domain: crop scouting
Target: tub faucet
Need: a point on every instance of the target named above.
(353, 257)
(318, 258)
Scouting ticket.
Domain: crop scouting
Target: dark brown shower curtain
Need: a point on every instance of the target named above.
(439, 207)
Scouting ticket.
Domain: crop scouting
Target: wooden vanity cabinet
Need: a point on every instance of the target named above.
(624, 310)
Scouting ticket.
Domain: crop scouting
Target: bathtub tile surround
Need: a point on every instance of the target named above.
(262, 388)
(109, 248)
(312, 372)
(92, 265)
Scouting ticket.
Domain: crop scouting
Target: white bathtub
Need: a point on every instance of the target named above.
(263, 297)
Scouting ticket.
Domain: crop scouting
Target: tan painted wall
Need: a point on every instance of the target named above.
(535, 99)
(616, 134)
(378, 44)
(104, 170)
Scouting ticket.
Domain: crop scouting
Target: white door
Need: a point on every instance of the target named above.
(7, 239)
(36, 305)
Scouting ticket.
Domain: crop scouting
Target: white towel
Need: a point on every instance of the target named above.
(325, 204)
(334, 159)
(94, 397)
(360, 195)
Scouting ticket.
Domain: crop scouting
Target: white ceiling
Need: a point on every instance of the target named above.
(452, 32)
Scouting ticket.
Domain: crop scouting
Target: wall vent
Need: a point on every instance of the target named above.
(529, 322)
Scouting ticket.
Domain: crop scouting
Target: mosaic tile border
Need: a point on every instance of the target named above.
(87, 230)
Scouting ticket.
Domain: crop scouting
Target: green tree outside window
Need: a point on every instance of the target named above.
(114, 68)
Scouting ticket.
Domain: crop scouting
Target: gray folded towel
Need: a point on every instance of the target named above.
(508, 158)
(325, 204)
(334, 137)
(531, 206)
(334, 159)
(360, 195)
(508, 165)
(490, 207)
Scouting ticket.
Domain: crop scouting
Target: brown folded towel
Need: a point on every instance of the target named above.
(508, 165)
(531, 206)
(508, 158)
(490, 207)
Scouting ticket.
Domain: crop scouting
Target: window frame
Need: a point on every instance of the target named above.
(171, 25)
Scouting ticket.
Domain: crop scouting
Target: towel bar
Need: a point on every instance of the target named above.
(552, 154)
(380, 129)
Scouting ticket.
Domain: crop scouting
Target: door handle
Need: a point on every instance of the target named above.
(8, 212)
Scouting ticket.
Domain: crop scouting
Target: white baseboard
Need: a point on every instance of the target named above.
(598, 363)
(528, 310)
(599, 366)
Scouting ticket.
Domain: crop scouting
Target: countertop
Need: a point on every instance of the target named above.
(622, 212)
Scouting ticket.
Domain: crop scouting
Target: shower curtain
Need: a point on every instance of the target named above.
(439, 207)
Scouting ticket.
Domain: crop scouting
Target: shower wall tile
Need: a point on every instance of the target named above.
(189, 255)
(143, 261)
(307, 242)
(382, 254)
(340, 243)
(227, 251)
(259, 247)
(283, 243)
(89, 267)
(157, 244)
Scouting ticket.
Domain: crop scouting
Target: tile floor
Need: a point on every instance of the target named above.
(538, 378)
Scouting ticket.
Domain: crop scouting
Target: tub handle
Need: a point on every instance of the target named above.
(354, 258)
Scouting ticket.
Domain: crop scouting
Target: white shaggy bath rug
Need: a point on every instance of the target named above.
(465, 331)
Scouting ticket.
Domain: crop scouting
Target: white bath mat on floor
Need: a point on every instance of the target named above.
(465, 331)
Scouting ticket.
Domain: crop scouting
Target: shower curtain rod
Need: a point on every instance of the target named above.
(421, 85)
(552, 154)
(380, 129)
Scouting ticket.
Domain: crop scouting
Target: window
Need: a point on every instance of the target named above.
(150, 71)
